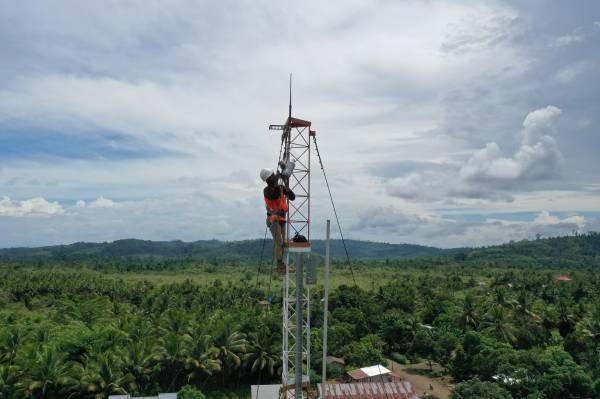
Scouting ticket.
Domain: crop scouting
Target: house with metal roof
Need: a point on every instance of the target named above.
(376, 373)
(369, 390)
(160, 396)
(269, 391)
(335, 360)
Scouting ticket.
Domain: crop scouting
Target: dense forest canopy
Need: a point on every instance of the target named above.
(497, 320)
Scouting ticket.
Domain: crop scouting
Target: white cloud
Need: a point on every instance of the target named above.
(30, 207)
(447, 232)
(102, 202)
(486, 173)
(536, 159)
(539, 123)
(569, 39)
(181, 217)
(544, 218)
(419, 185)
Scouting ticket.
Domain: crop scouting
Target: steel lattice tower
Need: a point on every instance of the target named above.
(296, 138)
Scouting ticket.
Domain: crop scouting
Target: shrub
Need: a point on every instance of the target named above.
(399, 358)
(190, 392)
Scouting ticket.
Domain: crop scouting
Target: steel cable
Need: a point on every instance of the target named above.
(337, 219)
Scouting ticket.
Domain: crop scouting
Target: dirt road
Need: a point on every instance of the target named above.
(421, 383)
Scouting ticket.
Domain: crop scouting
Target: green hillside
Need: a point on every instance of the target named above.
(213, 249)
(569, 251)
(577, 251)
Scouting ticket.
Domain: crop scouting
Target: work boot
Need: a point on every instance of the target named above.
(280, 267)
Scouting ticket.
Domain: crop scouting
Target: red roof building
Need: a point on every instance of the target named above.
(562, 277)
(370, 390)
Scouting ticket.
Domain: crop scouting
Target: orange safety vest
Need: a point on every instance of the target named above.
(276, 209)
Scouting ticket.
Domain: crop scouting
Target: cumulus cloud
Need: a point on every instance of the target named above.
(30, 207)
(536, 159)
(545, 218)
(187, 218)
(540, 122)
(549, 225)
(100, 202)
(487, 173)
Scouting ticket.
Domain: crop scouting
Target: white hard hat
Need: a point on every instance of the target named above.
(265, 174)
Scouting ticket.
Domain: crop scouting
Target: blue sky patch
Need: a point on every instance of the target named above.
(22, 144)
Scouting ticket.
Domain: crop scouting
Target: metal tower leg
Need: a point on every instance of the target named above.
(296, 333)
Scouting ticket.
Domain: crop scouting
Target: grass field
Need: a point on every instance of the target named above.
(369, 278)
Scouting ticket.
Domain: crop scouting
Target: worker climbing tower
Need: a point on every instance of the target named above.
(296, 145)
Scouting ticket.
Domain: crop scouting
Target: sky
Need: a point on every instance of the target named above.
(441, 123)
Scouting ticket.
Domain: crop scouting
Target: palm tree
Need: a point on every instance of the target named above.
(590, 326)
(172, 354)
(175, 320)
(496, 324)
(103, 376)
(106, 337)
(230, 345)
(10, 388)
(565, 317)
(524, 309)
(500, 298)
(137, 328)
(469, 317)
(9, 344)
(262, 355)
(137, 361)
(48, 374)
(203, 357)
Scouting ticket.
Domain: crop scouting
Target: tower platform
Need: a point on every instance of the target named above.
(298, 247)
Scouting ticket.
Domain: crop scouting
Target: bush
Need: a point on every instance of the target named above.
(335, 371)
(190, 392)
(475, 389)
(399, 358)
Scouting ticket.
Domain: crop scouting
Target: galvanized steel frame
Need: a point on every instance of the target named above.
(297, 143)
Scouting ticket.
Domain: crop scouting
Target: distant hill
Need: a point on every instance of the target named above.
(579, 251)
(214, 249)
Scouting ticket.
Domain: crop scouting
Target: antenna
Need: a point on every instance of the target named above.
(290, 110)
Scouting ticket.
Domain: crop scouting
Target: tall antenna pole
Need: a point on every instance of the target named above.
(290, 110)
(325, 309)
